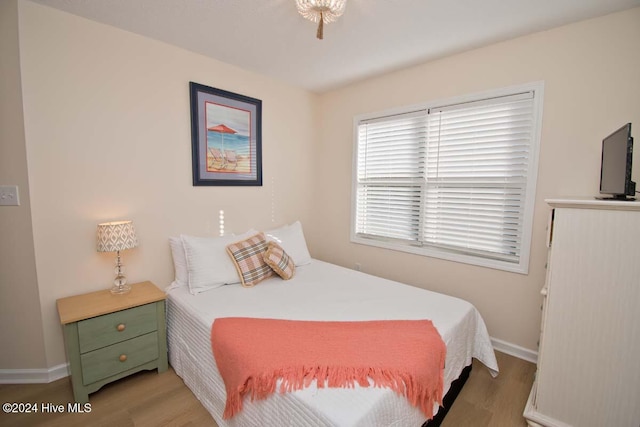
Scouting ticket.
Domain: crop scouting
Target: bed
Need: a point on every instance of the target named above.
(318, 291)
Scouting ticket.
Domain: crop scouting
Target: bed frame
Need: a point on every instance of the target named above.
(449, 398)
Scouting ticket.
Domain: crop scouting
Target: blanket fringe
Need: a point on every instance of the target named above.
(260, 387)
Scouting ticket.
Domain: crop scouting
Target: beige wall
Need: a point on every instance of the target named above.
(20, 319)
(590, 71)
(108, 137)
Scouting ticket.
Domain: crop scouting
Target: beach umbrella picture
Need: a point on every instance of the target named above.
(222, 129)
(226, 137)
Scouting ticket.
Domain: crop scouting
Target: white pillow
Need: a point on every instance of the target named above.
(291, 238)
(179, 262)
(208, 264)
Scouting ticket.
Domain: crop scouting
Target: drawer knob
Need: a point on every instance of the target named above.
(121, 327)
(123, 358)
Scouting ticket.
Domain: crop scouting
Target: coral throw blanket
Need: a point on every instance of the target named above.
(253, 354)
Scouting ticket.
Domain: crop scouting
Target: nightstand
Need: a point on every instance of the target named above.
(109, 337)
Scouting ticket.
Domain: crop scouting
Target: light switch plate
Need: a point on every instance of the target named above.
(9, 195)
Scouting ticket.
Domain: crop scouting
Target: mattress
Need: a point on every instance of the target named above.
(319, 291)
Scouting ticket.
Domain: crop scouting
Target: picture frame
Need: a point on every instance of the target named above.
(226, 137)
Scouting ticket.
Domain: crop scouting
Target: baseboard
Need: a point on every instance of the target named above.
(33, 376)
(515, 350)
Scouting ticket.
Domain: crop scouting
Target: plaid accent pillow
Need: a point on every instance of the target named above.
(247, 255)
(279, 261)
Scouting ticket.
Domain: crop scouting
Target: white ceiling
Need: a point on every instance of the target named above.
(371, 38)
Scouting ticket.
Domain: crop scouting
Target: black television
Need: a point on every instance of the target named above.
(615, 169)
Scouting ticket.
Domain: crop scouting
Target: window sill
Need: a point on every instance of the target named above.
(520, 268)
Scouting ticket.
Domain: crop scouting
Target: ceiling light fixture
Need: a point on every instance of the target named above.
(321, 11)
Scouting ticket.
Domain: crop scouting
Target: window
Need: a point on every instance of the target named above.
(453, 180)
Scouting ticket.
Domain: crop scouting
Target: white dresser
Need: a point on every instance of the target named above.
(589, 357)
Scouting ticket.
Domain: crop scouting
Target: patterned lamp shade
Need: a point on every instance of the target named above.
(116, 236)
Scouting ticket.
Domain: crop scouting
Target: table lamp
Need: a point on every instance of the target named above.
(115, 237)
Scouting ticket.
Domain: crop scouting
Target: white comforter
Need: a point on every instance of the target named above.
(319, 291)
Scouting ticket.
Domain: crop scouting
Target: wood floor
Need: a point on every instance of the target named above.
(493, 402)
(151, 399)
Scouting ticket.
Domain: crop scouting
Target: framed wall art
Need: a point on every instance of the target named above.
(226, 137)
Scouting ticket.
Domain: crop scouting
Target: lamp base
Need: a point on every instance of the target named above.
(120, 289)
(120, 282)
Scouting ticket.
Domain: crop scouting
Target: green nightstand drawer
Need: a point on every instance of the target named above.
(122, 325)
(119, 357)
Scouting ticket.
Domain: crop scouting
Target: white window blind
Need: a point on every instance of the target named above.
(390, 176)
(477, 167)
(449, 180)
